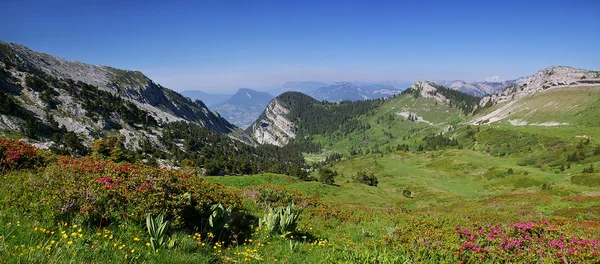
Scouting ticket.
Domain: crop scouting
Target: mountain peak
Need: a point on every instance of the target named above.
(428, 89)
(245, 90)
(244, 106)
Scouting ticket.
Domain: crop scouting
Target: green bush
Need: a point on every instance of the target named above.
(327, 176)
(589, 169)
(527, 161)
(368, 179)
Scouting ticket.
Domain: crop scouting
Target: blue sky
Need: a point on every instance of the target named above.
(219, 46)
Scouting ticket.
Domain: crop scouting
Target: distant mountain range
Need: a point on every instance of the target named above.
(304, 87)
(209, 100)
(340, 91)
(243, 107)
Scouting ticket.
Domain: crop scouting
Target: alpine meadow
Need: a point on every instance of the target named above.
(290, 163)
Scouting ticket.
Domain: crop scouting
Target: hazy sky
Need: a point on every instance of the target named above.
(219, 46)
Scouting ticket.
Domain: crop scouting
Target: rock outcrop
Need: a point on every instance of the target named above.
(272, 126)
(428, 89)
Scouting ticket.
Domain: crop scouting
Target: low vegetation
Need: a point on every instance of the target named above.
(421, 207)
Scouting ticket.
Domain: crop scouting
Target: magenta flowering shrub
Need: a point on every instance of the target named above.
(15, 154)
(99, 192)
(525, 242)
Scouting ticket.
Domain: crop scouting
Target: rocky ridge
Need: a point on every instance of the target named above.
(553, 77)
(548, 78)
(61, 80)
(480, 89)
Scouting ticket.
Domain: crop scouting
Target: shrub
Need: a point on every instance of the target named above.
(368, 179)
(274, 195)
(527, 161)
(98, 192)
(327, 176)
(16, 155)
(524, 242)
(590, 169)
(113, 149)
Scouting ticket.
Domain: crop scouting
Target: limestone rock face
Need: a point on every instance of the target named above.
(272, 127)
(427, 90)
(551, 77)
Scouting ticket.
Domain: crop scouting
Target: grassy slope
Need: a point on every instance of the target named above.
(434, 178)
(578, 106)
(438, 114)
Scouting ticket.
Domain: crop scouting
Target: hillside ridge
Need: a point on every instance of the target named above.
(90, 99)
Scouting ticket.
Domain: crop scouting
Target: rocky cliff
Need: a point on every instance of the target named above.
(272, 126)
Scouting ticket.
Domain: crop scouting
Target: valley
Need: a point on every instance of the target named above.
(91, 157)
